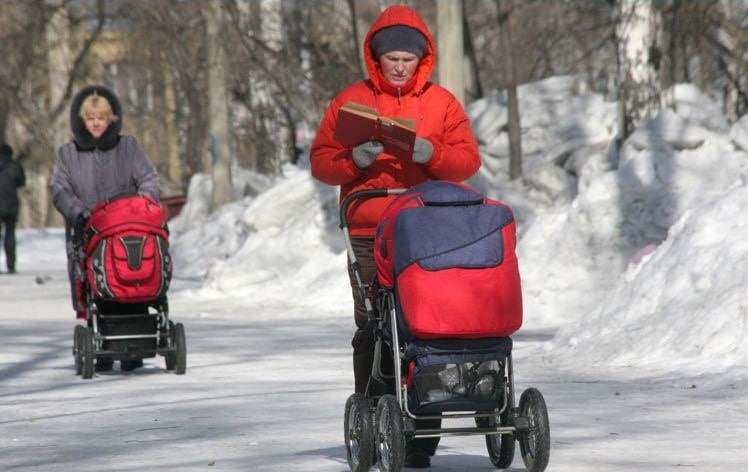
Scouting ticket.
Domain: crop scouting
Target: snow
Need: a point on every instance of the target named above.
(634, 269)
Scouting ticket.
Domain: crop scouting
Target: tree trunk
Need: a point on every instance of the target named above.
(59, 62)
(175, 167)
(473, 86)
(515, 130)
(220, 145)
(450, 48)
(639, 54)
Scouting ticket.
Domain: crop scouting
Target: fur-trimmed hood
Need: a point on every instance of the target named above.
(83, 139)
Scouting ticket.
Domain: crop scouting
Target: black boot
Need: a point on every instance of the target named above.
(130, 365)
(417, 458)
(103, 364)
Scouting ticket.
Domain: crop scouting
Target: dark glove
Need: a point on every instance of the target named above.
(365, 153)
(423, 150)
(81, 220)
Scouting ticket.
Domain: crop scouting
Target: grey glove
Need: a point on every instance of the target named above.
(423, 150)
(365, 153)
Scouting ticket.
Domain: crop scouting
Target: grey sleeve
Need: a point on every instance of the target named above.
(63, 197)
(146, 175)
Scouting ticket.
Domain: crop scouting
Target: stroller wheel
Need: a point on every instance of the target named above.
(77, 336)
(86, 353)
(390, 434)
(359, 433)
(177, 360)
(500, 446)
(535, 443)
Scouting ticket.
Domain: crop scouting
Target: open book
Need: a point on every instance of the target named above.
(358, 123)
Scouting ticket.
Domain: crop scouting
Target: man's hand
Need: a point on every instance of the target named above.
(423, 150)
(365, 153)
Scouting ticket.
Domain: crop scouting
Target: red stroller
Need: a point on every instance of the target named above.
(444, 302)
(126, 270)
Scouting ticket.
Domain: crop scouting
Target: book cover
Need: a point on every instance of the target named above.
(358, 123)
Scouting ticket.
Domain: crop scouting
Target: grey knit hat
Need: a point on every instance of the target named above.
(398, 38)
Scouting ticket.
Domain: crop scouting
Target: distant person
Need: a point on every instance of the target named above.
(12, 177)
(97, 165)
(400, 56)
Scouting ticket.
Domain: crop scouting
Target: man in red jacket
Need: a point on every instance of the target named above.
(400, 57)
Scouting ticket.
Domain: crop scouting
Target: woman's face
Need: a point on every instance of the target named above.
(398, 67)
(96, 124)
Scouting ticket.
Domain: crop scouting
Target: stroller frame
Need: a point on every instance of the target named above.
(378, 423)
(91, 342)
(124, 331)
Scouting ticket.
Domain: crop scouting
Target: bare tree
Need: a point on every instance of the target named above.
(639, 56)
(473, 86)
(515, 130)
(220, 145)
(37, 80)
(171, 52)
(450, 47)
(284, 61)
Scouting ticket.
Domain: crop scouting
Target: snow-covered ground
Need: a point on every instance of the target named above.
(634, 265)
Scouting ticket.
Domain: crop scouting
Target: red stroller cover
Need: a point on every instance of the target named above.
(449, 254)
(127, 251)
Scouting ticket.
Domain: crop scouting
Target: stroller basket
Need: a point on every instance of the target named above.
(127, 327)
(455, 375)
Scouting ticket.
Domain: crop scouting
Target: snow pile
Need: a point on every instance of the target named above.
(639, 254)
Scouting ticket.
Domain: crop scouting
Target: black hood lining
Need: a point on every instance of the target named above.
(84, 141)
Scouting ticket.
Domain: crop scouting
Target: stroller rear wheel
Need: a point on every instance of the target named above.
(86, 353)
(390, 434)
(359, 433)
(535, 443)
(77, 342)
(177, 360)
(500, 446)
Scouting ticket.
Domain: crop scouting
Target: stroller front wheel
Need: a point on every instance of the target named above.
(390, 434)
(359, 433)
(500, 446)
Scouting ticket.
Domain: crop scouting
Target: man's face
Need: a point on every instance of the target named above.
(398, 67)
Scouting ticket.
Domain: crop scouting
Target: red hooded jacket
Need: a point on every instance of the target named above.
(439, 116)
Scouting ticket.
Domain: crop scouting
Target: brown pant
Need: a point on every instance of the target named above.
(363, 338)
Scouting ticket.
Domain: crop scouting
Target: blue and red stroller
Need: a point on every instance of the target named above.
(126, 270)
(445, 299)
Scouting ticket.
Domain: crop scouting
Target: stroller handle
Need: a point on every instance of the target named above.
(361, 194)
(364, 194)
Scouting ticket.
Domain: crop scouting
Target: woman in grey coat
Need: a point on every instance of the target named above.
(97, 165)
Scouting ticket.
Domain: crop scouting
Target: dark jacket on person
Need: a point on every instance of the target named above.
(89, 170)
(12, 177)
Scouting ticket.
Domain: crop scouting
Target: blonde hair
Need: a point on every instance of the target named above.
(96, 104)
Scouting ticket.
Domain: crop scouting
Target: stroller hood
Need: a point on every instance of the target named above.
(449, 254)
